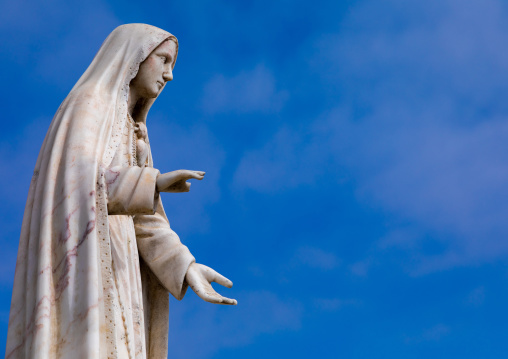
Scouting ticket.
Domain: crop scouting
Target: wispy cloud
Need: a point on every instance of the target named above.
(292, 158)
(247, 92)
(434, 334)
(361, 268)
(333, 304)
(418, 125)
(63, 63)
(68, 39)
(316, 258)
(199, 329)
(476, 297)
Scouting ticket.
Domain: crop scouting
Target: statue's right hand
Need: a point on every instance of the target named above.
(176, 181)
(200, 277)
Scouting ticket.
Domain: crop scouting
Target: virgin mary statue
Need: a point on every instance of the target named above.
(97, 257)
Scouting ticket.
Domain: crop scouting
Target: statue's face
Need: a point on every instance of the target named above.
(155, 71)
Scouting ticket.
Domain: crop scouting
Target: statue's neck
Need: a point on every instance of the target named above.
(133, 100)
(135, 104)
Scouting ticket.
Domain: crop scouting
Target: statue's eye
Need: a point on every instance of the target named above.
(163, 59)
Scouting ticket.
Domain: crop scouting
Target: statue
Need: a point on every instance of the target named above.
(97, 257)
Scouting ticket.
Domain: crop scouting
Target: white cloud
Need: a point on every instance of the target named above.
(247, 92)
(476, 297)
(434, 334)
(290, 159)
(333, 304)
(361, 268)
(70, 42)
(199, 329)
(64, 62)
(428, 143)
(316, 258)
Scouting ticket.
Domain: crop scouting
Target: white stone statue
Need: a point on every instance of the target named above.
(97, 256)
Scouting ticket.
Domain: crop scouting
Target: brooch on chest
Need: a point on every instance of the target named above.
(140, 133)
(140, 146)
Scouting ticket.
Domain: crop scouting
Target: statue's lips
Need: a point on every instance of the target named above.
(161, 85)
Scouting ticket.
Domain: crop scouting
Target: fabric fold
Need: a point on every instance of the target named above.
(132, 190)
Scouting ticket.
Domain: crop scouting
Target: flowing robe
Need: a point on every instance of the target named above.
(137, 224)
(96, 255)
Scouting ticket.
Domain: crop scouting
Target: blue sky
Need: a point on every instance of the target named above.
(356, 189)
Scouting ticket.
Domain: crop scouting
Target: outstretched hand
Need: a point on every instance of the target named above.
(199, 278)
(175, 181)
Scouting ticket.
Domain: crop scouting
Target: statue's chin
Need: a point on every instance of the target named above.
(149, 93)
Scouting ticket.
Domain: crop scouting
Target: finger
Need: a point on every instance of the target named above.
(216, 298)
(212, 276)
(229, 301)
(219, 278)
(178, 187)
(196, 175)
(210, 297)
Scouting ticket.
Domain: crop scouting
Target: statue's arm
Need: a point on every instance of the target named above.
(132, 190)
(171, 261)
(162, 251)
(135, 190)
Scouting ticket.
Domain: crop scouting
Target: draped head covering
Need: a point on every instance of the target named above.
(63, 285)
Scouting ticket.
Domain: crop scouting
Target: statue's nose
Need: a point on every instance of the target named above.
(168, 75)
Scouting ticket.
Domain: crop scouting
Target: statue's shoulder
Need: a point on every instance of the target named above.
(86, 96)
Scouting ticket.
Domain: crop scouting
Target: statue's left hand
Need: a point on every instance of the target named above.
(175, 181)
(199, 278)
